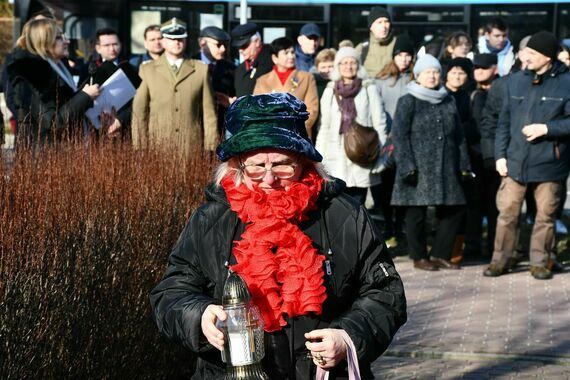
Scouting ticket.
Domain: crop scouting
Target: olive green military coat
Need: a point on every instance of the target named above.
(174, 111)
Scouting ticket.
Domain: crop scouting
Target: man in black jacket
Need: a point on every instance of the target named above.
(213, 43)
(256, 57)
(532, 149)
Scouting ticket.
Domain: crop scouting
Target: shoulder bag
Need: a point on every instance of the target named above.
(361, 144)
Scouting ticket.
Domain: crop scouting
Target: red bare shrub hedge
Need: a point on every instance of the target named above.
(85, 233)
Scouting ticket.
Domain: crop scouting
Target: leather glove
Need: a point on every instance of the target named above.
(411, 178)
(489, 164)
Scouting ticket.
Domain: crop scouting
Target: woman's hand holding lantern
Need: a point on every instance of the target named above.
(209, 329)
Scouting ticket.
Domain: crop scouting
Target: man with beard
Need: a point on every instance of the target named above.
(377, 51)
(213, 43)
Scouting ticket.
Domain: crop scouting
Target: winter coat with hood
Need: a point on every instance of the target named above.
(365, 295)
(330, 142)
(546, 158)
(46, 106)
(428, 138)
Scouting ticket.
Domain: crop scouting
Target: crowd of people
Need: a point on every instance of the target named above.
(468, 129)
(462, 119)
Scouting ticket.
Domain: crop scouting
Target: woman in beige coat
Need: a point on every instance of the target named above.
(286, 78)
(360, 102)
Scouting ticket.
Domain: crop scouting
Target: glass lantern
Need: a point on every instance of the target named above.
(243, 332)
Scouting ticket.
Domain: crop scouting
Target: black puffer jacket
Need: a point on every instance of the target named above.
(45, 105)
(546, 158)
(365, 295)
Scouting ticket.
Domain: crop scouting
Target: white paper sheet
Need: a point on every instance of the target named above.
(115, 92)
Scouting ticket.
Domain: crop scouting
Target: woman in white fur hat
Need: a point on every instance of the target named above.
(349, 97)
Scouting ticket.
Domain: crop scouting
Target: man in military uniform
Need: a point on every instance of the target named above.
(256, 57)
(213, 43)
(174, 106)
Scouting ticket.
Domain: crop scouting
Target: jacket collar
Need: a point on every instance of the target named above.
(185, 70)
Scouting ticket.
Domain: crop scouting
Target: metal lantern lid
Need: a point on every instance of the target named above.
(235, 291)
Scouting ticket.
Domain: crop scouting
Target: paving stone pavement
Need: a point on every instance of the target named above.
(462, 325)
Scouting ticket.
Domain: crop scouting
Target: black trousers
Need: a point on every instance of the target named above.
(448, 223)
(382, 195)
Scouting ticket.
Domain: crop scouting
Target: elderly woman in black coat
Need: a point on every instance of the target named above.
(431, 161)
(46, 98)
(310, 254)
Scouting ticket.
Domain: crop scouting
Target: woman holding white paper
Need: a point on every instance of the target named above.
(48, 105)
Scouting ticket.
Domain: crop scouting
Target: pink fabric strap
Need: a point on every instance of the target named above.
(351, 358)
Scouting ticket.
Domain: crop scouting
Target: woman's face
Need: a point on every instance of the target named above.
(325, 68)
(456, 78)
(429, 78)
(60, 46)
(402, 61)
(462, 48)
(348, 67)
(282, 162)
(285, 59)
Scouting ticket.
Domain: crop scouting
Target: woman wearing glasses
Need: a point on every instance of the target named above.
(48, 103)
(312, 260)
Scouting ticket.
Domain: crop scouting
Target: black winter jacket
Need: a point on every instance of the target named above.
(365, 295)
(244, 79)
(490, 116)
(548, 157)
(45, 105)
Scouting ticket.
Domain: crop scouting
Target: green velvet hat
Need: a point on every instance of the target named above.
(267, 121)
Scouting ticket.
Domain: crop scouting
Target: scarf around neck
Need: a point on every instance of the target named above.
(282, 269)
(346, 94)
(427, 94)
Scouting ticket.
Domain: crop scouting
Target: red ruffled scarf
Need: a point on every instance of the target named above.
(275, 258)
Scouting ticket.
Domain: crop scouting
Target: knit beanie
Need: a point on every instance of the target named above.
(464, 64)
(376, 13)
(346, 52)
(545, 43)
(403, 45)
(426, 61)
